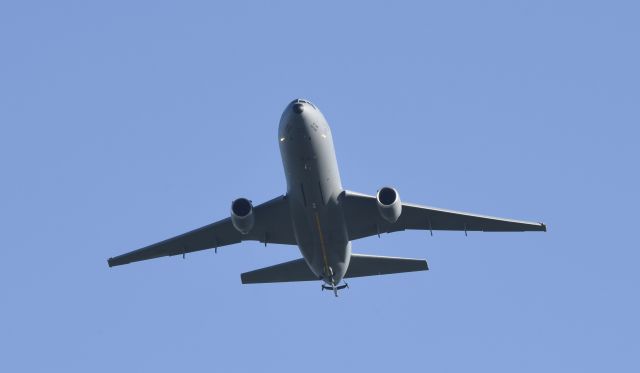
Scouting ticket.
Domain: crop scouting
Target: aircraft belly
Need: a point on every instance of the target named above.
(323, 240)
(314, 184)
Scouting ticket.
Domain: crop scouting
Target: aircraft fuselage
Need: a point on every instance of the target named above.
(313, 188)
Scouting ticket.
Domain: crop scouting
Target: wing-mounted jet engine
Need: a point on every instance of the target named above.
(242, 215)
(389, 205)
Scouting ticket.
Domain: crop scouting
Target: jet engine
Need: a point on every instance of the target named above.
(242, 216)
(389, 205)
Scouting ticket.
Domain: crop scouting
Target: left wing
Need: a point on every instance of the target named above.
(363, 219)
(272, 225)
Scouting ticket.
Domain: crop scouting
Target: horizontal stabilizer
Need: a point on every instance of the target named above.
(371, 265)
(359, 266)
(295, 270)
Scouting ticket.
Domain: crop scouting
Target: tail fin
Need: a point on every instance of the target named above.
(371, 265)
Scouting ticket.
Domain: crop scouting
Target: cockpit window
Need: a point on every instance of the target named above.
(304, 101)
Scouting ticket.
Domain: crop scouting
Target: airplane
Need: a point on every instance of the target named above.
(321, 217)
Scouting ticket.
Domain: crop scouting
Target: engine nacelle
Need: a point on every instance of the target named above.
(389, 205)
(242, 216)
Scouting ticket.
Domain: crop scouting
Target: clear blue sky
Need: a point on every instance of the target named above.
(123, 123)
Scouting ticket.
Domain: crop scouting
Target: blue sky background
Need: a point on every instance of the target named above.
(123, 123)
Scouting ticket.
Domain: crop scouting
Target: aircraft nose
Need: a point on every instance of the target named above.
(298, 108)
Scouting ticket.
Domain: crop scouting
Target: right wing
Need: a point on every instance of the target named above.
(272, 225)
(364, 220)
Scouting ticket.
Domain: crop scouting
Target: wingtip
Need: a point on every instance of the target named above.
(544, 227)
(110, 262)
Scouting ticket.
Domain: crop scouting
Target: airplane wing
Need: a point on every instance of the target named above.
(363, 219)
(272, 225)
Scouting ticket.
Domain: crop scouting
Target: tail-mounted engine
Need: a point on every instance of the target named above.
(242, 215)
(389, 205)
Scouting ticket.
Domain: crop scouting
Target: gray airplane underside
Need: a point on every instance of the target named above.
(321, 217)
